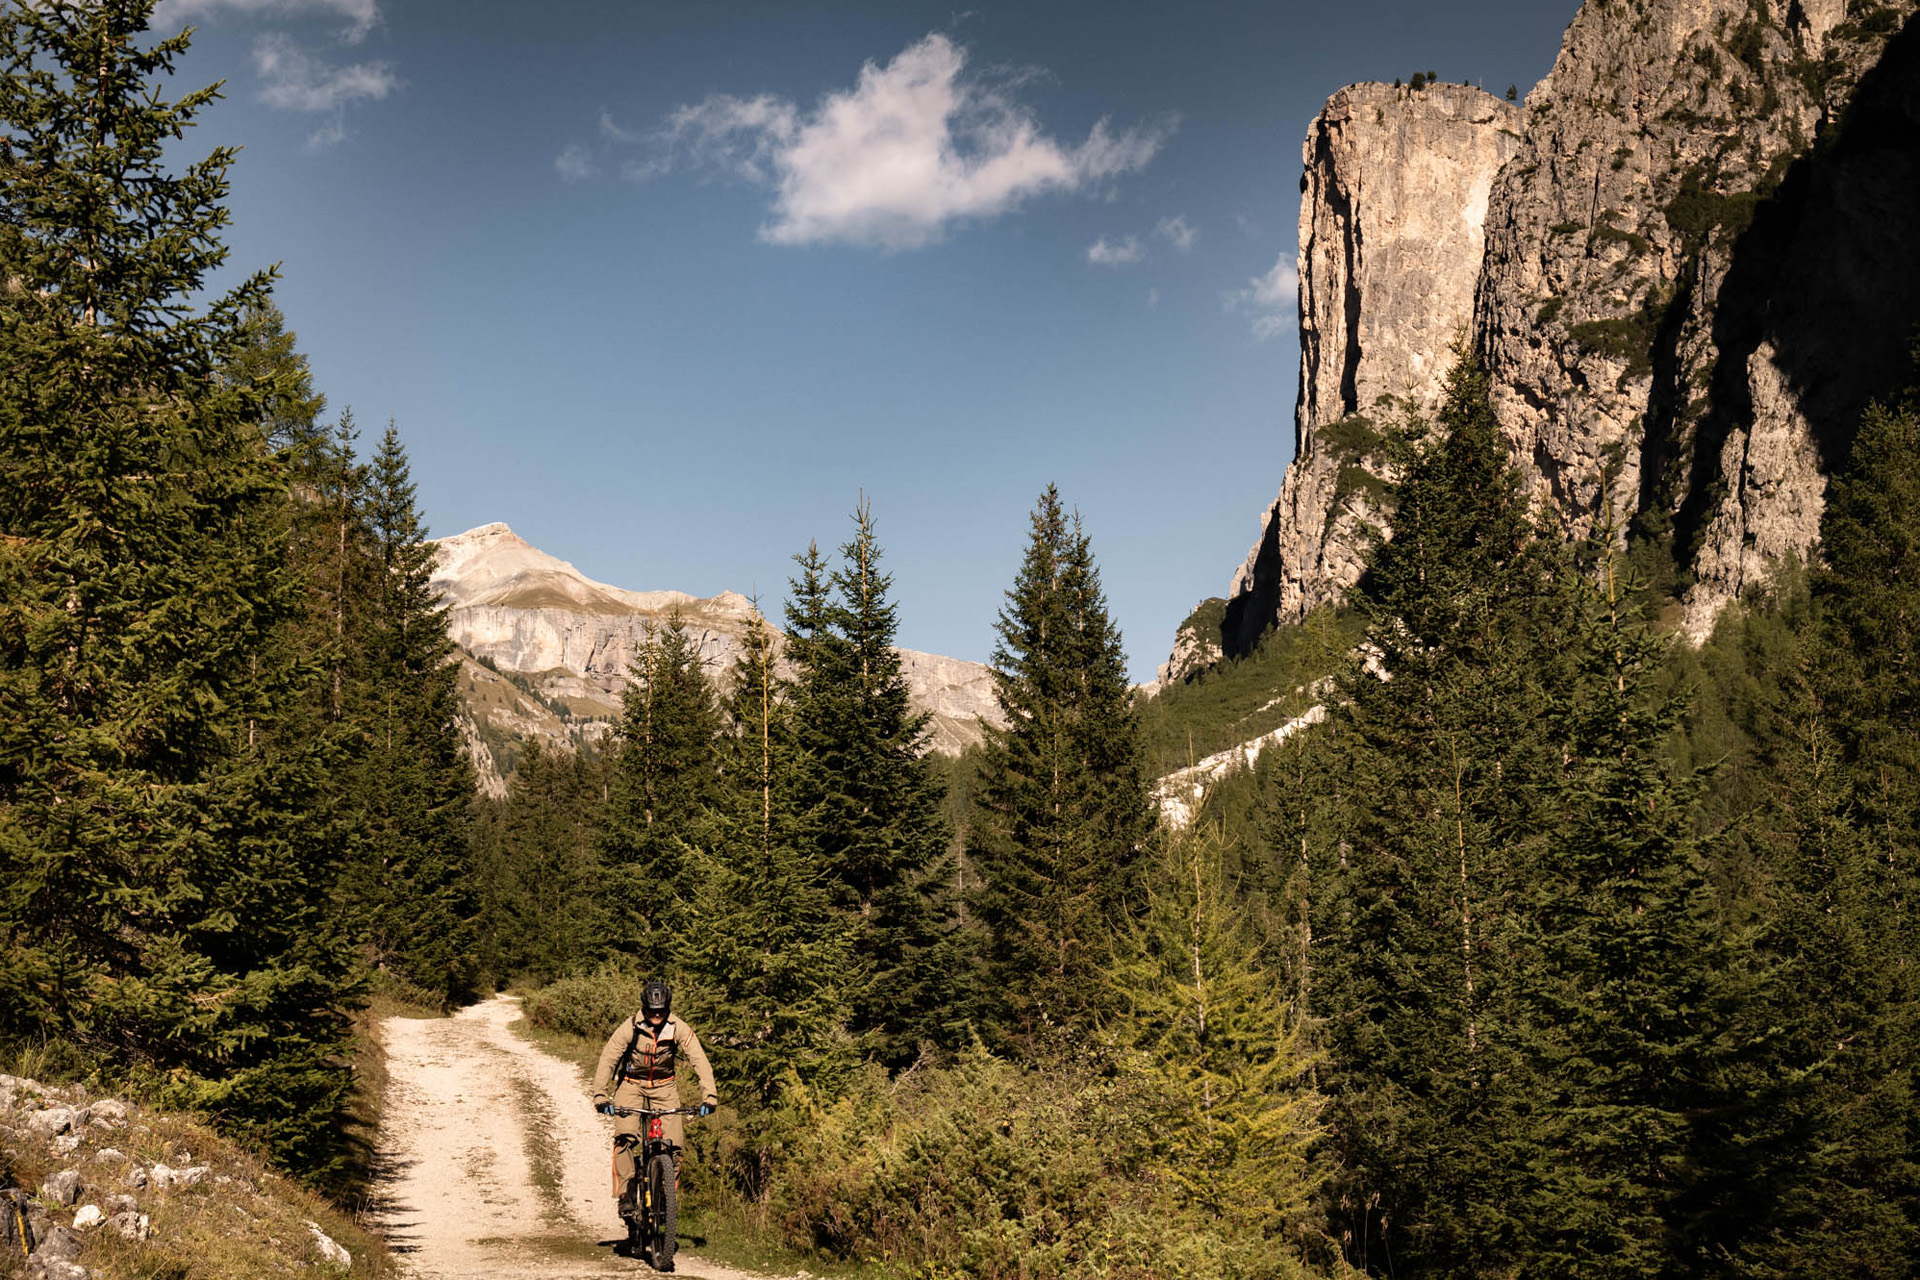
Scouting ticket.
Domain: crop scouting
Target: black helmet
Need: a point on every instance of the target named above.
(656, 997)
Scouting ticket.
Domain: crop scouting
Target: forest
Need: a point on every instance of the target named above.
(1560, 947)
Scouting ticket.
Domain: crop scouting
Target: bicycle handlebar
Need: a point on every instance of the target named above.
(646, 1114)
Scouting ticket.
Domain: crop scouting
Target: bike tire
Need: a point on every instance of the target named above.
(666, 1211)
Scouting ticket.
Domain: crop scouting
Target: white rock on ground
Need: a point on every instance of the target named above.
(331, 1251)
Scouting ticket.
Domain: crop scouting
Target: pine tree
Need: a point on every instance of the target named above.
(1639, 978)
(665, 779)
(1439, 739)
(413, 782)
(1063, 821)
(167, 883)
(542, 883)
(880, 835)
(767, 949)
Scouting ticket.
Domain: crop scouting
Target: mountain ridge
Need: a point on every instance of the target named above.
(545, 652)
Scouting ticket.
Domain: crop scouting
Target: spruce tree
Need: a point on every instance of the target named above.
(767, 949)
(1440, 740)
(1638, 979)
(414, 782)
(1062, 820)
(664, 780)
(167, 882)
(1837, 1184)
(880, 834)
(543, 883)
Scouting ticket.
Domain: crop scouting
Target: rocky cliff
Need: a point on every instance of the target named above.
(547, 651)
(1688, 263)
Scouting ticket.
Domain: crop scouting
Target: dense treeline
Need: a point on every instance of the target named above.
(231, 787)
(1608, 943)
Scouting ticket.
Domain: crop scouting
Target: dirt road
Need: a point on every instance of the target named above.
(497, 1165)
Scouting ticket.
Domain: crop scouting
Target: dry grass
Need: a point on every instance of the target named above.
(242, 1221)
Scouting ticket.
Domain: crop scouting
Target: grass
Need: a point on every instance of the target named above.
(243, 1221)
(1241, 699)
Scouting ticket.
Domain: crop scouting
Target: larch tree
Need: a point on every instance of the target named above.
(769, 952)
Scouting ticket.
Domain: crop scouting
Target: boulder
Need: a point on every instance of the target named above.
(330, 1251)
(134, 1226)
(55, 1269)
(88, 1216)
(52, 1121)
(58, 1242)
(62, 1188)
(167, 1176)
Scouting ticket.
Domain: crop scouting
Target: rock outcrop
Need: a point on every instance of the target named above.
(1691, 263)
(547, 651)
(1392, 229)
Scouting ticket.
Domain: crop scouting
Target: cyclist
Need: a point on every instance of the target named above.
(638, 1064)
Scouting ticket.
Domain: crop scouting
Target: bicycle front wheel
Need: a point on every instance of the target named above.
(666, 1211)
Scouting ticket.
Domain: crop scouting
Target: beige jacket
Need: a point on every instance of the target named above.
(655, 1059)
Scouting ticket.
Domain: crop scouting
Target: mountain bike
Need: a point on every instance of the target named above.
(655, 1212)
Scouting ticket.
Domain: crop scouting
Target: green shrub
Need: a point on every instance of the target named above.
(997, 1171)
(585, 1006)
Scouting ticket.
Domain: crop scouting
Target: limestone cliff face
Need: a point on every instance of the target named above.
(1672, 257)
(1687, 274)
(550, 650)
(1392, 220)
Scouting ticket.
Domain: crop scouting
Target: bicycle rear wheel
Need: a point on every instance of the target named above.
(666, 1211)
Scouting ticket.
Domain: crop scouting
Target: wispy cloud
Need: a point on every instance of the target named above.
(361, 15)
(1153, 299)
(294, 80)
(1271, 300)
(1178, 232)
(914, 147)
(1115, 253)
(575, 163)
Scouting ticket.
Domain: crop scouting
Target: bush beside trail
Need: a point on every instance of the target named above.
(985, 1169)
(589, 1006)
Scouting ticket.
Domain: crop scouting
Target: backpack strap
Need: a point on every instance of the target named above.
(633, 1042)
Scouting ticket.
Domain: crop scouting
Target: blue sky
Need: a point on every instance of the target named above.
(667, 287)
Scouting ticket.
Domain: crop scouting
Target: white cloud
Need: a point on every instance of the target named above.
(295, 80)
(1115, 253)
(1153, 299)
(332, 133)
(914, 147)
(574, 163)
(1178, 232)
(1271, 299)
(361, 15)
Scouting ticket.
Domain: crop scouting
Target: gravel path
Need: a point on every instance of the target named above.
(497, 1165)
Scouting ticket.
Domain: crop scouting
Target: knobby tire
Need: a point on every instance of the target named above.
(666, 1211)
